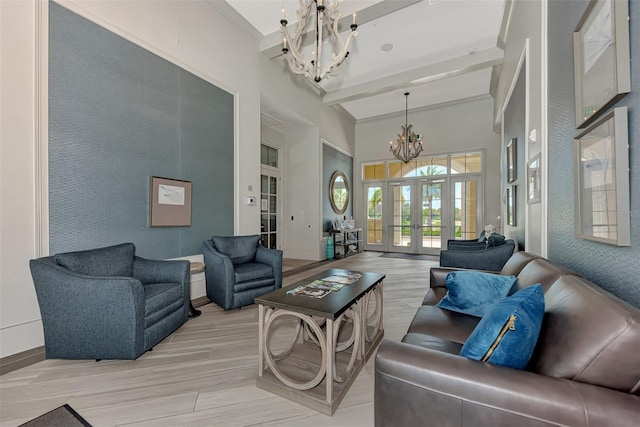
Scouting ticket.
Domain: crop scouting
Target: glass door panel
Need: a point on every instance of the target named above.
(465, 201)
(431, 229)
(401, 218)
(374, 231)
(269, 211)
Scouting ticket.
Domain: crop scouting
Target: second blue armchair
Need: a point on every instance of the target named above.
(240, 269)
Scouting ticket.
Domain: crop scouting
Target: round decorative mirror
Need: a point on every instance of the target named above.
(339, 192)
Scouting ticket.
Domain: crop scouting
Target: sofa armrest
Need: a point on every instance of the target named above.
(272, 257)
(86, 316)
(219, 275)
(414, 384)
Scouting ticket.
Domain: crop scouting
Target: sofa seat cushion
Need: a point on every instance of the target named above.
(450, 325)
(252, 271)
(434, 295)
(589, 335)
(160, 295)
(434, 343)
(240, 249)
(112, 261)
(255, 284)
(508, 332)
(473, 292)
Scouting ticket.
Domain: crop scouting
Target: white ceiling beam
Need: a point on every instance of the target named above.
(271, 45)
(418, 76)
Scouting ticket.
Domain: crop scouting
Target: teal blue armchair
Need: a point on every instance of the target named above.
(240, 269)
(108, 303)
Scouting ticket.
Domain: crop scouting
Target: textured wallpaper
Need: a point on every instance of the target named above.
(613, 268)
(119, 114)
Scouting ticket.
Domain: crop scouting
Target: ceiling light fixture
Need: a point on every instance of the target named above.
(325, 11)
(409, 144)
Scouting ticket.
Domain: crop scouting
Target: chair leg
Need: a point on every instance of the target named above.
(193, 313)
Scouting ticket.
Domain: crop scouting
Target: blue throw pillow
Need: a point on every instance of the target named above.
(495, 240)
(473, 292)
(508, 332)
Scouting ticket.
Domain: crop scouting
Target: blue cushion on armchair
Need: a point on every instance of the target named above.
(508, 332)
(241, 249)
(112, 261)
(473, 292)
(495, 239)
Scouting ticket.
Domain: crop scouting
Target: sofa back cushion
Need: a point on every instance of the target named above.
(589, 335)
(539, 271)
(516, 263)
(241, 249)
(111, 261)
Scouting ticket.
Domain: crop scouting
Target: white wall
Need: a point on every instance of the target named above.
(458, 127)
(528, 22)
(307, 121)
(302, 211)
(20, 326)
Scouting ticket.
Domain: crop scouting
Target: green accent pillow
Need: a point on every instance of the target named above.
(508, 332)
(474, 292)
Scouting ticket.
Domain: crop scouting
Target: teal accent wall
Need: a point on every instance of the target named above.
(332, 161)
(613, 268)
(119, 114)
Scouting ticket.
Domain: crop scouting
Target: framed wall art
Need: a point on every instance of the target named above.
(533, 180)
(512, 160)
(512, 204)
(601, 59)
(602, 180)
(170, 204)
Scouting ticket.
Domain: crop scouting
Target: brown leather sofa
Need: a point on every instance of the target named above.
(585, 370)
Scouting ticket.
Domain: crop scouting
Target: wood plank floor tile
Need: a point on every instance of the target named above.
(204, 373)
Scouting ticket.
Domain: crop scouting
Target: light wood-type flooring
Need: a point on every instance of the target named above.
(204, 373)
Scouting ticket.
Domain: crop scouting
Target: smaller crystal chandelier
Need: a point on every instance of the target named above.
(325, 10)
(409, 144)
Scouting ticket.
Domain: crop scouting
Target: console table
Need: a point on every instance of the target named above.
(346, 241)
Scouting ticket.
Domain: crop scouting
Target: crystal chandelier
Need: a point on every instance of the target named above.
(325, 13)
(409, 144)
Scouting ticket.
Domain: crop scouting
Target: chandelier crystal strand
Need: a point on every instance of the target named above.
(409, 144)
(326, 14)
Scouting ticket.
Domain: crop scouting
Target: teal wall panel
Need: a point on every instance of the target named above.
(119, 114)
(332, 161)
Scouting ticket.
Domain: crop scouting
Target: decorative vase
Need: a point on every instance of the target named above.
(330, 247)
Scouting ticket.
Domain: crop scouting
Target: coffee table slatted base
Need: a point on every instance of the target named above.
(317, 368)
(302, 363)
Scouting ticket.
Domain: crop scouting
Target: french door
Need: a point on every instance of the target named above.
(419, 217)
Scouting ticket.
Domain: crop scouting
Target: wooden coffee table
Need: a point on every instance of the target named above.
(334, 337)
